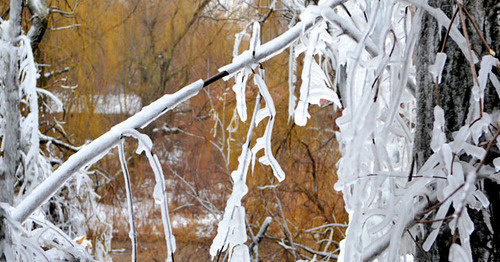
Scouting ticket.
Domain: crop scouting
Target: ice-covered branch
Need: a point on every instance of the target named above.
(57, 142)
(97, 148)
(444, 21)
(277, 45)
(65, 27)
(379, 246)
(159, 193)
(93, 151)
(231, 232)
(260, 234)
(126, 177)
(56, 72)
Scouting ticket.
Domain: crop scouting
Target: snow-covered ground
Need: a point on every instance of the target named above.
(148, 219)
(109, 104)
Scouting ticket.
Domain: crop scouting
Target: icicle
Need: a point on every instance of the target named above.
(159, 193)
(33, 170)
(265, 141)
(496, 162)
(314, 82)
(487, 64)
(160, 183)
(240, 254)
(231, 229)
(458, 254)
(126, 177)
(436, 69)
(239, 89)
(292, 79)
(438, 136)
(241, 77)
(255, 40)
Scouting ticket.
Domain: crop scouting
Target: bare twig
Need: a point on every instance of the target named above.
(258, 238)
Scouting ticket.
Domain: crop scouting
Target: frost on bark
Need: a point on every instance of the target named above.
(14, 149)
(454, 95)
(11, 136)
(9, 154)
(10, 101)
(11, 122)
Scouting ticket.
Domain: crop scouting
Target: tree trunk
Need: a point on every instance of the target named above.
(12, 123)
(454, 97)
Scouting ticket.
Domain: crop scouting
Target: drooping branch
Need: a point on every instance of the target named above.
(96, 149)
(277, 45)
(126, 178)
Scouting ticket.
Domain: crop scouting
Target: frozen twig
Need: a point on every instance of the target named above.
(65, 27)
(256, 240)
(57, 142)
(126, 177)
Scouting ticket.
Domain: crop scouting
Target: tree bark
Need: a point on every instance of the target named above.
(12, 124)
(11, 114)
(454, 97)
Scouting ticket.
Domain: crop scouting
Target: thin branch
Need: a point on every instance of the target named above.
(55, 10)
(65, 27)
(258, 238)
(491, 51)
(126, 178)
(56, 72)
(57, 142)
(312, 251)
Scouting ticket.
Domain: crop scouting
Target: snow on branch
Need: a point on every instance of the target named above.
(277, 45)
(314, 81)
(99, 147)
(260, 234)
